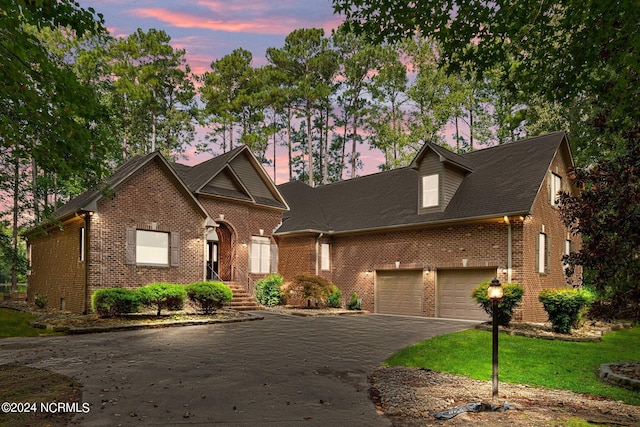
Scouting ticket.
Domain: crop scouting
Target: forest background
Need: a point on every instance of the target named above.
(79, 102)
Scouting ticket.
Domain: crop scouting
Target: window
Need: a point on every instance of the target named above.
(325, 265)
(81, 243)
(555, 186)
(152, 247)
(542, 254)
(430, 193)
(260, 255)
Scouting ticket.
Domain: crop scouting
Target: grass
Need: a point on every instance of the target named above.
(535, 362)
(16, 324)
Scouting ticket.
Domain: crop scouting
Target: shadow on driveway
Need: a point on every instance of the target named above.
(283, 370)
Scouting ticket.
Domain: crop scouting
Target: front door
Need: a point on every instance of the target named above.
(213, 272)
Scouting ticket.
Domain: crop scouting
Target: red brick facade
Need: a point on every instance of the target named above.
(150, 199)
(356, 257)
(57, 269)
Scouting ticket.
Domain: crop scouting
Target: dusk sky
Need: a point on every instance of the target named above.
(210, 29)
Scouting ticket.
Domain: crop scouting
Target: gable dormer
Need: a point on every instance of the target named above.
(440, 173)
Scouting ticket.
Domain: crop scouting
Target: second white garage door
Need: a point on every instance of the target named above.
(399, 292)
(454, 293)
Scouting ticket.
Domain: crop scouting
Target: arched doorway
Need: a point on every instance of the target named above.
(220, 254)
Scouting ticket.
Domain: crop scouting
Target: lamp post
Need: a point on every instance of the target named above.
(495, 292)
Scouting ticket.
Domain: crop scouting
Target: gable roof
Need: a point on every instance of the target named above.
(236, 175)
(502, 180)
(87, 201)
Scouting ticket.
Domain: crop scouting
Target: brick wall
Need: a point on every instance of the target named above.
(149, 196)
(547, 216)
(244, 220)
(58, 271)
(356, 257)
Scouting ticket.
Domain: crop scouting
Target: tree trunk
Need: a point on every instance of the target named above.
(310, 144)
(14, 234)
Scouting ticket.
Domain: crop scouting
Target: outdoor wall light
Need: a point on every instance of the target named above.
(397, 264)
(427, 269)
(495, 293)
(505, 269)
(244, 243)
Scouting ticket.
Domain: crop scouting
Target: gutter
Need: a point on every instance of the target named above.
(409, 225)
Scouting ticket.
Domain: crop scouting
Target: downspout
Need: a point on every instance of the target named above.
(509, 249)
(317, 253)
(87, 223)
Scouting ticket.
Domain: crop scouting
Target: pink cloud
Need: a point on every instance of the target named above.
(185, 20)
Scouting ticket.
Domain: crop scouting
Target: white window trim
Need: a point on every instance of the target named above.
(325, 257)
(260, 255)
(555, 187)
(542, 251)
(430, 191)
(82, 243)
(156, 252)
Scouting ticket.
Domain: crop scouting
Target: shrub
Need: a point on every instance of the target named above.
(163, 295)
(115, 301)
(513, 293)
(41, 301)
(209, 296)
(354, 302)
(335, 297)
(308, 287)
(565, 307)
(267, 290)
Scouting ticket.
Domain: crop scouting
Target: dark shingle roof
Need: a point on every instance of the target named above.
(83, 200)
(504, 179)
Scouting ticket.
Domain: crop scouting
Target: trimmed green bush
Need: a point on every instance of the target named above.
(115, 301)
(565, 307)
(354, 303)
(334, 299)
(163, 295)
(209, 296)
(512, 298)
(41, 301)
(267, 290)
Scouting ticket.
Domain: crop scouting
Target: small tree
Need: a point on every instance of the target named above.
(308, 287)
(267, 290)
(605, 213)
(209, 296)
(334, 299)
(163, 295)
(513, 293)
(354, 303)
(565, 307)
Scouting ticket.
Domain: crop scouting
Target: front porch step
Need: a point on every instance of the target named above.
(241, 300)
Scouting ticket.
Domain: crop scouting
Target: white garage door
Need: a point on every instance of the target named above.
(399, 292)
(454, 293)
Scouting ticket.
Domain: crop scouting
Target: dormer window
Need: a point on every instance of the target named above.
(430, 191)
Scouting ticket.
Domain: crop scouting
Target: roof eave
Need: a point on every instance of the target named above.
(410, 225)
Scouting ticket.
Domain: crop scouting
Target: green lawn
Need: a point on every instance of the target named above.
(16, 324)
(536, 362)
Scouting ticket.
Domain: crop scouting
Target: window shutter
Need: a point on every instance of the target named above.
(130, 247)
(547, 249)
(175, 249)
(274, 258)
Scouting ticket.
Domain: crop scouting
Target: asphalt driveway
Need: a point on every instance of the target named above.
(283, 370)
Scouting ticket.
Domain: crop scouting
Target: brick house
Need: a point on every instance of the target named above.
(159, 222)
(417, 240)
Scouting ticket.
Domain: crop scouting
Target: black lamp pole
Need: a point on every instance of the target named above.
(495, 292)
